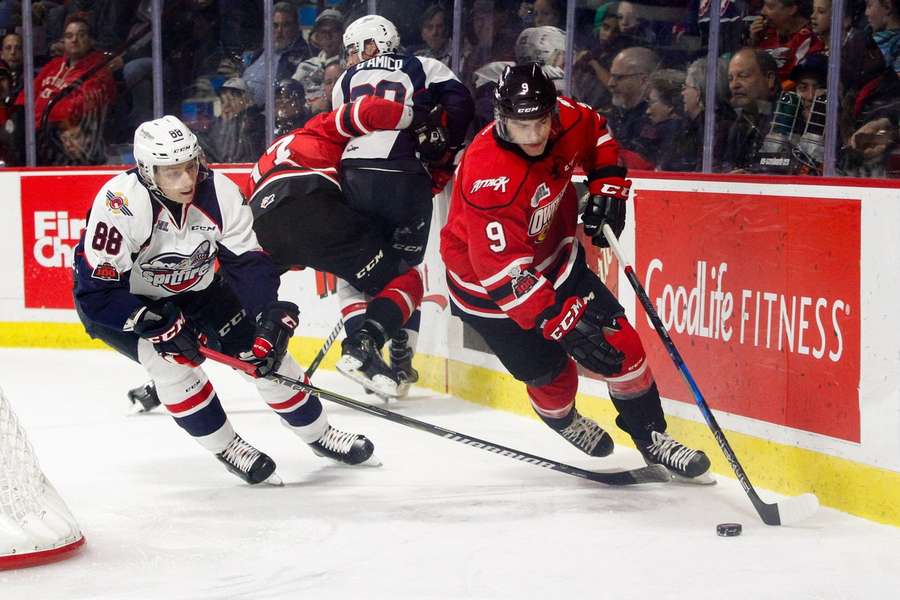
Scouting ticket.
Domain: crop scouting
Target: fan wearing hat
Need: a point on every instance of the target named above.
(237, 134)
(326, 36)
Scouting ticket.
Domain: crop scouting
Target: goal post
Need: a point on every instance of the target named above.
(36, 526)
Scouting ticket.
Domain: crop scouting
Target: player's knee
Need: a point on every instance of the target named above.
(554, 398)
(635, 377)
(375, 271)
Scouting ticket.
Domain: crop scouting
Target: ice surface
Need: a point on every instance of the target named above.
(164, 520)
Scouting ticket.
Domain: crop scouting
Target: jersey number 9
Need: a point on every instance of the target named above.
(494, 232)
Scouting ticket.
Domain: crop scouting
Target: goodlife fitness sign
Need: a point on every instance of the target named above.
(761, 295)
(54, 213)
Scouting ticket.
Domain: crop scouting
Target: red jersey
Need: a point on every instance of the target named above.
(316, 148)
(790, 52)
(98, 90)
(510, 235)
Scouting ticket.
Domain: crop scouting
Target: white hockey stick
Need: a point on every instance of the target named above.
(786, 512)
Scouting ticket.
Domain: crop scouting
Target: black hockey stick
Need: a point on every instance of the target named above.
(325, 348)
(787, 511)
(651, 474)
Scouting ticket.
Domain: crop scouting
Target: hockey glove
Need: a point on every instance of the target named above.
(172, 336)
(429, 129)
(580, 332)
(274, 327)
(607, 207)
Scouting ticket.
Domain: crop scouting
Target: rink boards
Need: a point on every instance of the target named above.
(780, 294)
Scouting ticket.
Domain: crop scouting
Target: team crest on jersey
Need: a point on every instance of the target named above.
(542, 217)
(106, 272)
(117, 203)
(265, 202)
(176, 272)
(540, 193)
(522, 281)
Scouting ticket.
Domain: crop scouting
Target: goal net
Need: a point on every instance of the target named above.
(36, 527)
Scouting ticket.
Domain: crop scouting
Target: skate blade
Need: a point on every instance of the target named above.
(372, 461)
(702, 479)
(381, 386)
(274, 480)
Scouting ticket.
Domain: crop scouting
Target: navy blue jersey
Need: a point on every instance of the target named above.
(417, 81)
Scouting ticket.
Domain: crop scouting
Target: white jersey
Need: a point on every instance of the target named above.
(135, 243)
(416, 81)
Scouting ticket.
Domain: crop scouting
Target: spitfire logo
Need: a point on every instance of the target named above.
(117, 203)
(176, 272)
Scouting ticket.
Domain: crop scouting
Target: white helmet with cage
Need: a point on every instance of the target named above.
(545, 45)
(161, 142)
(371, 27)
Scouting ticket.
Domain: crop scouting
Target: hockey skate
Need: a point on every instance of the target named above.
(362, 362)
(685, 464)
(348, 448)
(401, 363)
(586, 435)
(248, 463)
(143, 398)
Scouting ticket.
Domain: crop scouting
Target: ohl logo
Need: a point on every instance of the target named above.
(176, 272)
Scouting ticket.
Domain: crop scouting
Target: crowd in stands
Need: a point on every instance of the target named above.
(641, 63)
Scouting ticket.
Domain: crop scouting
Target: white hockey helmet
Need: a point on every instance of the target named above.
(545, 45)
(161, 142)
(371, 27)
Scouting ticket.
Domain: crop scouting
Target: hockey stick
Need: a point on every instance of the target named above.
(651, 474)
(787, 511)
(325, 348)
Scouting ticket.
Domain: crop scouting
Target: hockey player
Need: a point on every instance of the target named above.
(146, 284)
(383, 176)
(517, 274)
(302, 220)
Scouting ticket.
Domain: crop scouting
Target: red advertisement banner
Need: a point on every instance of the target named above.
(54, 211)
(761, 294)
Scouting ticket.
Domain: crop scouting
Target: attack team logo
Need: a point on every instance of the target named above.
(176, 272)
(117, 203)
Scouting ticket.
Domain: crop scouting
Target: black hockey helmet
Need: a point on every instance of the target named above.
(524, 92)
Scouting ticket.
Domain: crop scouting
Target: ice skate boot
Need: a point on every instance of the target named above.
(248, 463)
(348, 448)
(685, 464)
(143, 398)
(401, 363)
(583, 433)
(362, 362)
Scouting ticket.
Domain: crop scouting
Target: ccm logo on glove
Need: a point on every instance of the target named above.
(573, 308)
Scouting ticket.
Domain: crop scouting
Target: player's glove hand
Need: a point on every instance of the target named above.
(172, 336)
(580, 331)
(274, 327)
(429, 129)
(606, 207)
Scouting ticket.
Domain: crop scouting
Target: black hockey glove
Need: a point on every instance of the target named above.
(274, 327)
(607, 207)
(172, 336)
(580, 331)
(430, 131)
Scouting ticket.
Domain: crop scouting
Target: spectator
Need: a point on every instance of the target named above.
(783, 31)
(549, 13)
(10, 134)
(333, 71)
(290, 106)
(686, 154)
(820, 21)
(592, 65)
(753, 83)
(326, 36)
(489, 39)
(628, 78)
(89, 100)
(435, 34)
(884, 19)
(633, 27)
(289, 50)
(238, 133)
(665, 110)
(11, 54)
(810, 79)
(79, 144)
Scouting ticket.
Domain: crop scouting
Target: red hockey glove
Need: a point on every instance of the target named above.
(172, 336)
(580, 332)
(274, 327)
(606, 206)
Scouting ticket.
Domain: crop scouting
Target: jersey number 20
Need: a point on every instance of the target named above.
(396, 90)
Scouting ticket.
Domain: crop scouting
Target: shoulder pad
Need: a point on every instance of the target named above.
(490, 177)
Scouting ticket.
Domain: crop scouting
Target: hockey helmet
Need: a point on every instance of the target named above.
(524, 92)
(371, 27)
(545, 45)
(162, 142)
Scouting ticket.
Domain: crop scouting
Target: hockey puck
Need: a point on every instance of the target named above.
(728, 529)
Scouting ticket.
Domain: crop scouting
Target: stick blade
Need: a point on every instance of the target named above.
(650, 474)
(798, 508)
